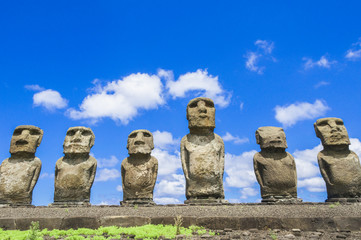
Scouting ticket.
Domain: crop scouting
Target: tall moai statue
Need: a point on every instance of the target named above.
(202, 155)
(275, 168)
(75, 172)
(339, 166)
(20, 172)
(139, 170)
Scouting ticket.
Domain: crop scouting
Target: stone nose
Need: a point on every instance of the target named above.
(202, 107)
(139, 139)
(77, 137)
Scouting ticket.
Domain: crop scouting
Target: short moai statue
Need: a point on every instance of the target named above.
(139, 170)
(75, 172)
(202, 155)
(20, 172)
(275, 168)
(340, 167)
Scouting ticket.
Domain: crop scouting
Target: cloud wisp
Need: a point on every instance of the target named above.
(289, 115)
(235, 139)
(322, 63)
(354, 53)
(264, 51)
(49, 99)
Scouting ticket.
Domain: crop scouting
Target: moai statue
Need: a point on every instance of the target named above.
(75, 172)
(339, 166)
(275, 168)
(202, 155)
(20, 172)
(139, 170)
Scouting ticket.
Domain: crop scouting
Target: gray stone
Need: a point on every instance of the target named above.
(296, 231)
(139, 170)
(275, 168)
(290, 236)
(75, 172)
(202, 155)
(340, 167)
(20, 172)
(124, 221)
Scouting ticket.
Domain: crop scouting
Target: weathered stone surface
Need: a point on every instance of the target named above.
(80, 222)
(139, 170)
(340, 167)
(275, 168)
(202, 154)
(49, 223)
(75, 172)
(20, 172)
(124, 221)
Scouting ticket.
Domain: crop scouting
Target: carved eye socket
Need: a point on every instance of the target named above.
(145, 134)
(70, 133)
(322, 124)
(193, 104)
(34, 132)
(17, 132)
(133, 135)
(86, 133)
(209, 104)
(339, 122)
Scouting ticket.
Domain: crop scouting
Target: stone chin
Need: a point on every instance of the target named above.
(71, 149)
(22, 149)
(198, 122)
(270, 145)
(139, 150)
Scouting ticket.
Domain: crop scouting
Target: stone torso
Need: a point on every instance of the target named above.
(73, 181)
(204, 165)
(277, 172)
(139, 178)
(16, 178)
(342, 173)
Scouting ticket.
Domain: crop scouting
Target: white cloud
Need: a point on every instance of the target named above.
(164, 140)
(315, 184)
(166, 200)
(235, 139)
(356, 146)
(241, 105)
(267, 46)
(119, 188)
(264, 51)
(322, 63)
(112, 201)
(34, 87)
(47, 175)
(322, 83)
(355, 52)
(49, 99)
(200, 81)
(289, 115)
(171, 187)
(107, 162)
(240, 170)
(306, 162)
(248, 192)
(167, 163)
(105, 174)
(121, 100)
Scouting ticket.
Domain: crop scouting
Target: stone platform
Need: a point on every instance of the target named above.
(304, 216)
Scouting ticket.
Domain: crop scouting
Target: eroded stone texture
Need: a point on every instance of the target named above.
(139, 170)
(275, 168)
(20, 172)
(340, 167)
(202, 155)
(75, 172)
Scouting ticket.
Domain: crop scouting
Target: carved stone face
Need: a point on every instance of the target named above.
(271, 137)
(78, 140)
(140, 141)
(201, 113)
(331, 131)
(26, 138)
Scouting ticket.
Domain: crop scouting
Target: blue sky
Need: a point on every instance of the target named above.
(117, 66)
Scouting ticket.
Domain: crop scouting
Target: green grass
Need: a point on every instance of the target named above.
(146, 232)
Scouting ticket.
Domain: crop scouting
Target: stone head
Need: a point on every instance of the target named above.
(78, 140)
(331, 131)
(201, 113)
(271, 137)
(26, 138)
(140, 141)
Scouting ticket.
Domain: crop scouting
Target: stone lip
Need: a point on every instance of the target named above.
(304, 216)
